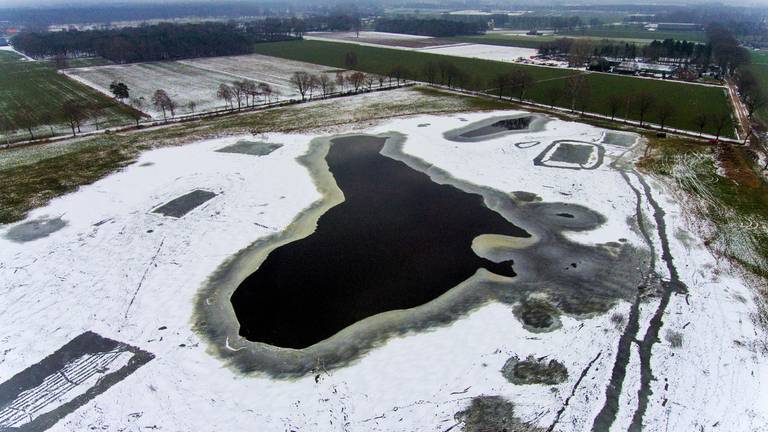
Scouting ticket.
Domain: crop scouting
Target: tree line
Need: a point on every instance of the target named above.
(430, 27)
(669, 50)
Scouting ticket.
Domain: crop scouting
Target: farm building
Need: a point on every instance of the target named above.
(635, 68)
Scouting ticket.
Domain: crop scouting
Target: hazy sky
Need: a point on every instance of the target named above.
(42, 3)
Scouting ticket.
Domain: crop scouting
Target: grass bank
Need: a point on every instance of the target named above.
(37, 174)
(688, 99)
(38, 85)
(723, 189)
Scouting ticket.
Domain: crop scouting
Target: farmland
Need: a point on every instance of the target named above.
(524, 41)
(637, 32)
(194, 80)
(38, 86)
(759, 67)
(710, 100)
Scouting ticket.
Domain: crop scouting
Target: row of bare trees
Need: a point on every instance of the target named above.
(575, 94)
(72, 112)
(246, 93)
(307, 84)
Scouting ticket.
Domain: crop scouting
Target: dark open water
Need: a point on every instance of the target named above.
(399, 240)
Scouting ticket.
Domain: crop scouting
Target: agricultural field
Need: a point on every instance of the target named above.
(524, 41)
(484, 52)
(637, 32)
(759, 67)
(195, 80)
(37, 85)
(379, 60)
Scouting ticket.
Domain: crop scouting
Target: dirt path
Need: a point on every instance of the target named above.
(742, 114)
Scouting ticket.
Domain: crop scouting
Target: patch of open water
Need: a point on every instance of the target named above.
(398, 240)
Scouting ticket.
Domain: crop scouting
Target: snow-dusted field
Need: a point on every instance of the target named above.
(432, 45)
(271, 70)
(485, 52)
(194, 80)
(368, 35)
(128, 274)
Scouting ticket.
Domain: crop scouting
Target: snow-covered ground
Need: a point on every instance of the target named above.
(9, 48)
(422, 43)
(368, 35)
(195, 80)
(485, 52)
(131, 275)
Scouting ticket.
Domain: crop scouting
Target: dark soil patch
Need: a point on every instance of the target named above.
(534, 371)
(538, 315)
(492, 414)
(253, 148)
(184, 204)
(35, 229)
(512, 124)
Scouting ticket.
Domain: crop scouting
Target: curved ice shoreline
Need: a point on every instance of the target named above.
(608, 272)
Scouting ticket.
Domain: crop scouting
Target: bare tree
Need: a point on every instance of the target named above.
(46, 118)
(161, 101)
(722, 121)
(645, 101)
(700, 120)
(754, 99)
(60, 61)
(7, 126)
(302, 82)
(95, 114)
(224, 92)
(501, 81)
(614, 103)
(350, 60)
(25, 117)
(239, 92)
(266, 90)
(522, 80)
(341, 81)
(172, 106)
(326, 84)
(584, 97)
(553, 94)
(253, 89)
(357, 79)
(191, 105)
(398, 72)
(574, 87)
(430, 72)
(74, 112)
(665, 111)
(370, 79)
(580, 52)
(137, 113)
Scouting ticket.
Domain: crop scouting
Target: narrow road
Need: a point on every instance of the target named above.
(742, 114)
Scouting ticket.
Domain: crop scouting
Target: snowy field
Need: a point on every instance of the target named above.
(113, 267)
(194, 80)
(271, 70)
(432, 45)
(485, 52)
(368, 35)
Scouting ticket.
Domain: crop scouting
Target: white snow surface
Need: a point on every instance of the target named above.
(485, 52)
(195, 80)
(84, 277)
(469, 50)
